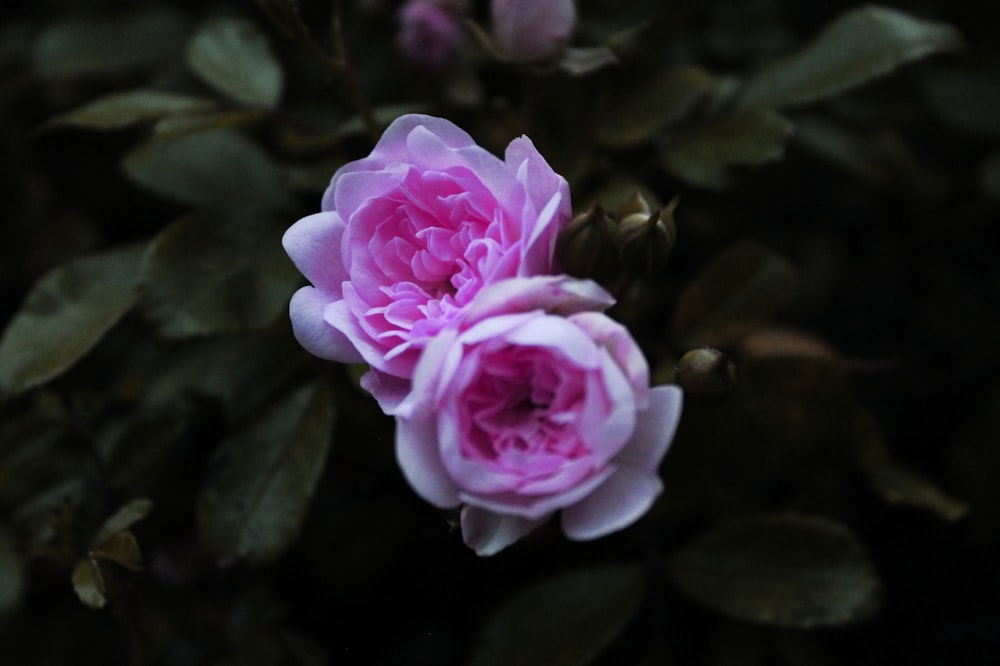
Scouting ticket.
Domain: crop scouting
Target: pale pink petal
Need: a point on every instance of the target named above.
(559, 334)
(541, 242)
(538, 178)
(417, 454)
(654, 430)
(307, 311)
(536, 507)
(556, 294)
(616, 504)
(313, 244)
(389, 391)
(622, 347)
(488, 533)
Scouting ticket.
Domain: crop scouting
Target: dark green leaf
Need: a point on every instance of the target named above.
(781, 570)
(642, 107)
(124, 109)
(899, 485)
(566, 620)
(11, 573)
(967, 101)
(88, 583)
(120, 548)
(989, 176)
(106, 45)
(124, 518)
(741, 288)
(860, 45)
(205, 275)
(705, 154)
(232, 55)
(65, 314)
(582, 61)
(260, 482)
(179, 125)
(219, 168)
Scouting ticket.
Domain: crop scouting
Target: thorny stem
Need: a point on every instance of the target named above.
(350, 74)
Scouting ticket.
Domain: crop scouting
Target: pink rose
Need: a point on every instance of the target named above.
(533, 30)
(533, 405)
(409, 235)
(430, 31)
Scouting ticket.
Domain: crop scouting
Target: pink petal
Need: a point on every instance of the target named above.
(616, 504)
(417, 454)
(537, 177)
(619, 342)
(307, 311)
(313, 243)
(488, 533)
(389, 391)
(654, 430)
(556, 294)
(536, 507)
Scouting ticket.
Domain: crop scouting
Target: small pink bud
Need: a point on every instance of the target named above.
(430, 32)
(533, 30)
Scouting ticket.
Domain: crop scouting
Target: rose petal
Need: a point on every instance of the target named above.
(417, 454)
(622, 347)
(654, 430)
(536, 507)
(556, 294)
(310, 328)
(616, 504)
(489, 533)
(389, 391)
(313, 244)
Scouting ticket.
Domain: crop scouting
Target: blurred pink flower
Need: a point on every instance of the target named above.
(430, 31)
(409, 235)
(533, 30)
(532, 404)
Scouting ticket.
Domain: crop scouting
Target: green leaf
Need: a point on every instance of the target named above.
(120, 548)
(860, 45)
(741, 288)
(905, 487)
(967, 101)
(706, 154)
(65, 314)
(781, 570)
(124, 109)
(88, 583)
(215, 169)
(111, 44)
(642, 107)
(225, 274)
(233, 56)
(179, 125)
(124, 518)
(11, 573)
(566, 620)
(583, 61)
(260, 482)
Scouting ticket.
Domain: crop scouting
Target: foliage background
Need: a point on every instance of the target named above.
(264, 518)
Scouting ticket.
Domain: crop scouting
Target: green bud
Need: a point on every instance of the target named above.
(590, 246)
(706, 373)
(648, 238)
(634, 205)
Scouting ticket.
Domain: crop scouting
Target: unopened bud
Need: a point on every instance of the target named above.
(707, 373)
(590, 246)
(634, 205)
(648, 238)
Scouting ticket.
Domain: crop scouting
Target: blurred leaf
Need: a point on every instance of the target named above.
(220, 168)
(205, 275)
(583, 61)
(383, 116)
(179, 125)
(107, 45)
(11, 573)
(232, 55)
(786, 341)
(899, 485)
(742, 287)
(88, 583)
(124, 109)
(120, 548)
(260, 482)
(860, 45)
(705, 154)
(967, 101)
(782, 570)
(989, 176)
(124, 518)
(566, 620)
(65, 314)
(639, 108)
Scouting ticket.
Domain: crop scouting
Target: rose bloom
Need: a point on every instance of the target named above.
(535, 404)
(533, 30)
(409, 235)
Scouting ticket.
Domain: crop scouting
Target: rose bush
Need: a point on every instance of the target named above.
(409, 235)
(534, 403)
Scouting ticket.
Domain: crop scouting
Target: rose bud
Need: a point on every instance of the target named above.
(648, 238)
(533, 30)
(590, 246)
(706, 373)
